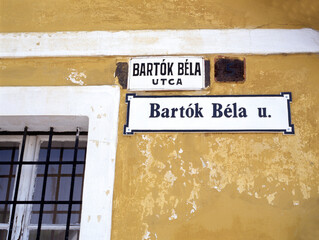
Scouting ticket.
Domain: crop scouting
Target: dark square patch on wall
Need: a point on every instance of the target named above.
(121, 73)
(229, 69)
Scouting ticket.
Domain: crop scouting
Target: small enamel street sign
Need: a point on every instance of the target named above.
(237, 113)
(166, 73)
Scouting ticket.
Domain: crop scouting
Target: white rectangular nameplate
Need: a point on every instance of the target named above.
(237, 113)
(166, 73)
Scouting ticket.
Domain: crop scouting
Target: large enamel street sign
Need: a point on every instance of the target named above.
(166, 73)
(239, 113)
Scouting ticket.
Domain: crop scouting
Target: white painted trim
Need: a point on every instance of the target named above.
(53, 227)
(4, 226)
(60, 138)
(101, 105)
(159, 42)
(10, 138)
(28, 173)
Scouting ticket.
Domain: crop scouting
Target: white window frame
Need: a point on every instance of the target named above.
(41, 107)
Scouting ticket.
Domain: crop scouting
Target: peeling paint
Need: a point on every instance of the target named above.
(170, 177)
(173, 216)
(96, 142)
(192, 170)
(76, 77)
(147, 233)
(203, 163)
(271, 198)
(194, 207)
(305, 190)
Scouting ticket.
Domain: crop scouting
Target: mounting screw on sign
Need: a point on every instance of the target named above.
(229, 69)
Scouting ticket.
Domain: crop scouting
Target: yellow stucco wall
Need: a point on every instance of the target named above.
(87, 15)
(195, 186)
(210, 185)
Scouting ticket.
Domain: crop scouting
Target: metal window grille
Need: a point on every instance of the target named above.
(69, 206)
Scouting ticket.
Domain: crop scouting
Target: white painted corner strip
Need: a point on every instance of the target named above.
(159, 42)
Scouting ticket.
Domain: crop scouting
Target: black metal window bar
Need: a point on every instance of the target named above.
(20, 163)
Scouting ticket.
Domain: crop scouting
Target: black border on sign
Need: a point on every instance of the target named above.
(125, 132)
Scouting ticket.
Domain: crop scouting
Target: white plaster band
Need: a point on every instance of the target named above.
(159, 42)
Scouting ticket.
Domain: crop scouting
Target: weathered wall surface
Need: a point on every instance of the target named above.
(210, 185)
(86, 15)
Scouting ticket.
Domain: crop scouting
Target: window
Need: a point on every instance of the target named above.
(92, 108)
(41, 180)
